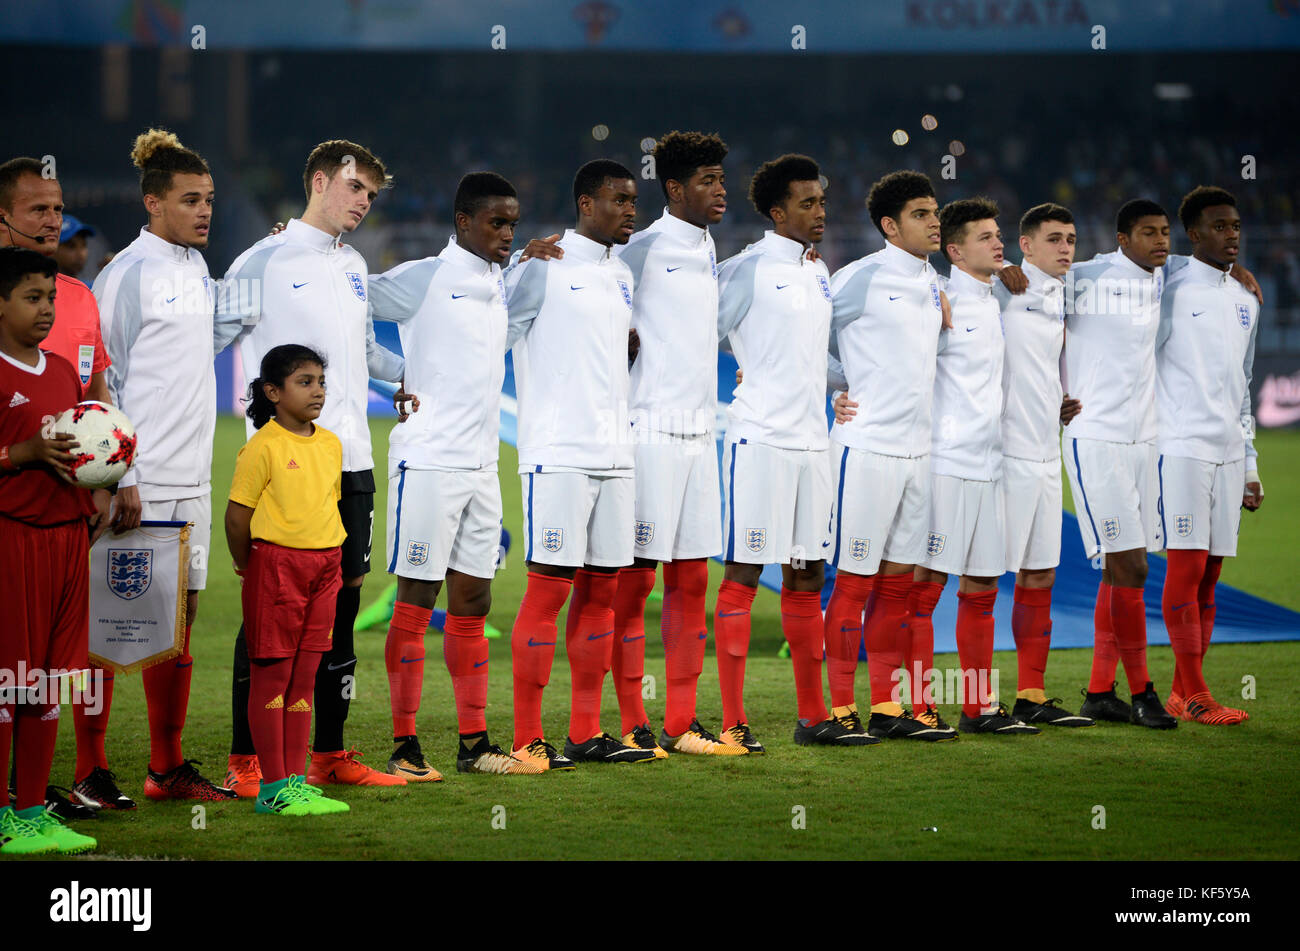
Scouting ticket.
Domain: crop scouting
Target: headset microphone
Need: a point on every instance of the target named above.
(39, 239)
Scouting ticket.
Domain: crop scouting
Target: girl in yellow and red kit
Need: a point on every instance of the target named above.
(284, 532)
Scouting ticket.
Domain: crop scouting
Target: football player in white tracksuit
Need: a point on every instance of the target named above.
(1112, 312)
(303, 285)
(1208, 469)
(569, 319)
(966, 534)
(673, 409)
(1034, 407)
(888, 315)
(444, 498)
(155, 304)
(775, 312)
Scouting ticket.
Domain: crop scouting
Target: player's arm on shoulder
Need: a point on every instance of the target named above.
(525, 283)
(735, 294)
(240, 299)
(1013, 278)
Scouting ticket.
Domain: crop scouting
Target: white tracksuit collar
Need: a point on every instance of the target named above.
(683, 231)
(906, 262)
(156, 247)
(299, 232)
(782, 247)
(455, 254)
(584, 248)
(1038, 278)
(961, 282)
(1120, 259)
(1206, 273)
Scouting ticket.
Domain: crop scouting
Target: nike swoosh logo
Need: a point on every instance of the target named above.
(899, 297)
(677, 268)
(458, 296)
(1275, 410)
(970, 330)
(781, 287)
(480, 663)
(578, 288)
(533, 643)
(847, 629)
(1185, 604)
(596, 637)
(732, 613)
(412, 660)
(341, 666)
(170, 299)
(1197, 313)
(628, 640)
(303, 284)
(190, 664)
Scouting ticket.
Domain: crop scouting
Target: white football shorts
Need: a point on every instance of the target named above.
(966, 535)
(1200, 503)
(440, 519)
(677, 498)
(1116, 494)
(1031, 502)
(778, 503)
(573, 519)
(881, 509)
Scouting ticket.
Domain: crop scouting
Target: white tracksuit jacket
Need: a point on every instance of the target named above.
(304, 286)
(155, 309)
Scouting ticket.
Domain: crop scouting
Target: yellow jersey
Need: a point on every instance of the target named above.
(292, 484)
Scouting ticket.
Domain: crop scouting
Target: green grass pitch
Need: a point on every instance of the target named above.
(1194, 793)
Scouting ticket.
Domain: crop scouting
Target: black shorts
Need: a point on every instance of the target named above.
(357, 509)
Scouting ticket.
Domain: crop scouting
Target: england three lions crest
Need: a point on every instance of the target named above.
(859, 548)
(358, 284)
(1110, 528)
(417, 553)
(645, 533)
(627, 293)
(934, 545)
(552, 539)
(1243, 315)
(756, 539)
(1183, 525)
(130, 571)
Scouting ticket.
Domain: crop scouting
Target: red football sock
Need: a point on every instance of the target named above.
(1182, 613)
(1031, 626)
(34, 752)
(685, 633)
(267, 688)
(801, 622)
(404, 658)
(465, 652)
(1205, 597)
(1129, 615)
(975, 648)
(731, 632)
(919, 655)
(297, 712)
(589, 640)
(532, 650)
(842, 632)
(1105, 649)
(167, 696)
(92, 728)
(886, 621)
(634, 586)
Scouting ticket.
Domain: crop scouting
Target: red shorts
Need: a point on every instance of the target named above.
(44, 597)
(289, 596)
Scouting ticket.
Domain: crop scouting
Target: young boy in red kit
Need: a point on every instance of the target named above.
(44, 551)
